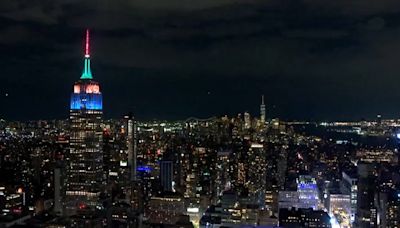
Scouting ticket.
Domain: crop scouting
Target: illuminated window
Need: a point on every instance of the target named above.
(92, 89)
(77, 89)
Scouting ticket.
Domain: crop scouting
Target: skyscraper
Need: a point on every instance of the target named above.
(247, 120)
(262, 111)
(85, 178)
(308, 192)
(257, 173)
(130, 126)
(134, 186)
(166, 175)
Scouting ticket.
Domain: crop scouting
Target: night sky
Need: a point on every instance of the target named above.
(172, 59)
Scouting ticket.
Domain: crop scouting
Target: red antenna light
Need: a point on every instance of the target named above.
(87, 55)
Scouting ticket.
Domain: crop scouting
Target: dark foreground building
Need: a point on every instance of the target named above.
(303, 218)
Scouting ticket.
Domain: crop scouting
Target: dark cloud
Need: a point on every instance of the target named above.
(14, 35)
(312, 59)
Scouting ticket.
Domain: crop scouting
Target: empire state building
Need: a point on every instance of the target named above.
(84, 179)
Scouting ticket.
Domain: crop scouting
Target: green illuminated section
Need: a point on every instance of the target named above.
(87, 73)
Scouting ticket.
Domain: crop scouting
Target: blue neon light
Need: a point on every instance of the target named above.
(144, 168)
(302, 186)
(86, 101)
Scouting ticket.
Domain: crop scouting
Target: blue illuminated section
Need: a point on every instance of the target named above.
(303, 186)
(86, 101)
(144, 168)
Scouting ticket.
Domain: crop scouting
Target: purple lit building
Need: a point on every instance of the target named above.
(308, 192)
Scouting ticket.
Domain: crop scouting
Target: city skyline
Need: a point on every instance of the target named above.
(311, 61)
(199, 114)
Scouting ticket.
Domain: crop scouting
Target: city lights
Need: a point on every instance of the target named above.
(222, 115)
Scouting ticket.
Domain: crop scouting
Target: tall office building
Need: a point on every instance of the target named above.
(131, 143)
(247, 120)
(134, 187)
(366, 214)
(166, 175)
(222, 177)
(349, 186)
(58, 185)
(308, 192)
(389, 208)
(85, 177)
(262, 111)
(256, 174)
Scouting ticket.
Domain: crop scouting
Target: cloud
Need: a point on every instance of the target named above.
(316, 34)
(15, 35)
(101, 12)
(305, 52)
(355, 8)
(123, 13)
(39, 11)
(375, 24)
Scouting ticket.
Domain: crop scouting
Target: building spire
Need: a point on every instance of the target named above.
(262, 99)
(87, 73)
(87, 55)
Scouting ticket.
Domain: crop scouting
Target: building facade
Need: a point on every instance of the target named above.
(85, 175)
(262, 111)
